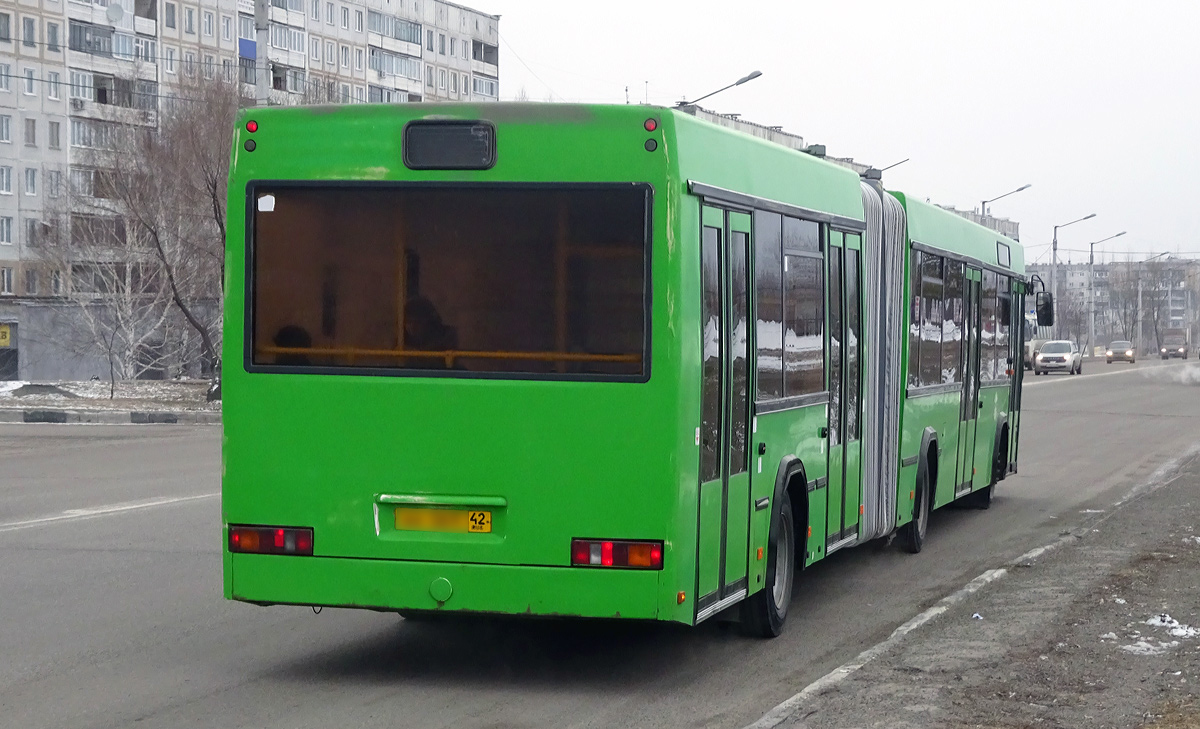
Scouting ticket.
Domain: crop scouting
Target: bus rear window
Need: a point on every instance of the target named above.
(523, 281)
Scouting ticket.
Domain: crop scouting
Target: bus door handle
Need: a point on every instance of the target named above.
(762, 449)
(981, 404)
(823, 432)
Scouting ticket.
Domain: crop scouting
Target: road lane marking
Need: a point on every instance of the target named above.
(91, 513)
(784, 711)
(1164, 475)
(1069, 378)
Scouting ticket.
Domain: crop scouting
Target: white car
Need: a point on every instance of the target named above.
(1058, 356)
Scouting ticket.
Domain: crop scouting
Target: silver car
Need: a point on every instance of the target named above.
(1058, 356)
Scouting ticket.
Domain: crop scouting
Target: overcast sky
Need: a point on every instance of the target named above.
(1096, 104)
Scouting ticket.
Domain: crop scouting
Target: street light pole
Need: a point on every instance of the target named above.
(983, 205)
(1138, 344)
(1054, 261)
(1092, 293)
(748, 77)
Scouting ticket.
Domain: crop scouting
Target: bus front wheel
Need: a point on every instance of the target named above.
(764, 612)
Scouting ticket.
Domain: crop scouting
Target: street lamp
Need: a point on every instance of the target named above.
(1054, 258)
(1138, 343)
(739, 82)
(984, 204)
(1091, 291)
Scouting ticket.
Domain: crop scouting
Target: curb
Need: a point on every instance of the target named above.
(111, 417)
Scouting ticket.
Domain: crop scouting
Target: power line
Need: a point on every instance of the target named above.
(527, 68)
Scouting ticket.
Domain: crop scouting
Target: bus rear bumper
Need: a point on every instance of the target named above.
(476, 588)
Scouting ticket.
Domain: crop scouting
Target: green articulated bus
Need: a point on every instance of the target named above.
(595, 361)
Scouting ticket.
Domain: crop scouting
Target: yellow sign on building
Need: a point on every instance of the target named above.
(5, 335)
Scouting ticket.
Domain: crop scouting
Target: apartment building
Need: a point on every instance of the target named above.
(72, 69)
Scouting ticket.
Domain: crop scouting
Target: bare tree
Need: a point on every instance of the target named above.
(1123, 299)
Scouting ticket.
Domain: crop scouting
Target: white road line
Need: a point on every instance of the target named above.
(783, 711)
(96, 511)
(1068, 378)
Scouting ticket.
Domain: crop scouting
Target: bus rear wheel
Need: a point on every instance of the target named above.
(764, 612)
(912, 534)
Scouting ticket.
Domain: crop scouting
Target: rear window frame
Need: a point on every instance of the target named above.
(254, 186)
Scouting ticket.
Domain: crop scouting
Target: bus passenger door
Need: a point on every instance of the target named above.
(852, 386)
(969, 404)
(722, 542)
(835, 510)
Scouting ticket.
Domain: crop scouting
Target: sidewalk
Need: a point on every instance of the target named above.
(1102, 631)
(138, 402)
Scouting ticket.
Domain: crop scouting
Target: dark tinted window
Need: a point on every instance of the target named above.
(768, 287)
(835, 342)
(931, 319)
(853, 340)
(714, 329)
(804, 330)
(739, 349)
(1121, 345)
(1056, 348)
(914, 319)
(498, 280)
(801, 236)
(987, 346)
(1004, 350)
(952, 320)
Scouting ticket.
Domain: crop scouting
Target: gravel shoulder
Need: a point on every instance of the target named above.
(1102, 631)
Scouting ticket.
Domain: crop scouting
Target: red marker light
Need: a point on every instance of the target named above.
(252, 126)
(279, 539)
(651, 125)
(606, 556)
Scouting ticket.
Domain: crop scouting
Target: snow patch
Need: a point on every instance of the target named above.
(1191, 540)
(1146, 648)
(1176, 628)
(1119, 600)
(6, 388)
(1109, 636)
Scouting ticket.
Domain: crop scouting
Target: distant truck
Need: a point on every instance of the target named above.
(1174, 344)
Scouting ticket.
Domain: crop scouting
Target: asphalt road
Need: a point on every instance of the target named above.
(111, 612)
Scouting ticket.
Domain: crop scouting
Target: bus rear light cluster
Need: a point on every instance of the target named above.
(611, 553)
(271, 540)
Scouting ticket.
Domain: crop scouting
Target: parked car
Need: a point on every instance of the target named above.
(1058, 356)
(1120, 352)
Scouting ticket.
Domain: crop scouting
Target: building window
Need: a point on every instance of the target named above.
(5, 128)
(466, 49)
(227, 27)
(31, 277)
(209, 66)
(55, 134)
(5, 28)
(189, 63)
(31, 181)
(52, 84)
(246, 27)
(315, 46)
(227, 69)
(453, 46)
(31, 132)
(454, 83)
(442, 79)
(169, 15)
(358, 20)
(358, 59)
(345, 56)
(442, 43)
(30, 32)
(316, 9)
(466, 85)
(29, 82)
(330, 54)
(52, 37)
(5, 180)
(429, 41)
(53, 182)
(5, 74)
(6, 273)
(56, 283)
(345, 95)
(429, 76)
(6, 230)
(208, 24)
(329, 13)
(169, 60)
(345, 17)
(359, 94)
(189, 21)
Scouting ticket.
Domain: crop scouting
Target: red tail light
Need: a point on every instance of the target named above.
(614, 553)
(271, 540)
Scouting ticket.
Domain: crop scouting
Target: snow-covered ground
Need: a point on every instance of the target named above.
(94, 395)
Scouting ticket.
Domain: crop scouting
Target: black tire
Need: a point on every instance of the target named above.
(912, 534)
(764, 612)
(1110, 361)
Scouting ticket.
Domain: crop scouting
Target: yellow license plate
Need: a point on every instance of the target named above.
(443, 520)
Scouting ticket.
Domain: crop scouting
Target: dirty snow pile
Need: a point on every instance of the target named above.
(1149, 646)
